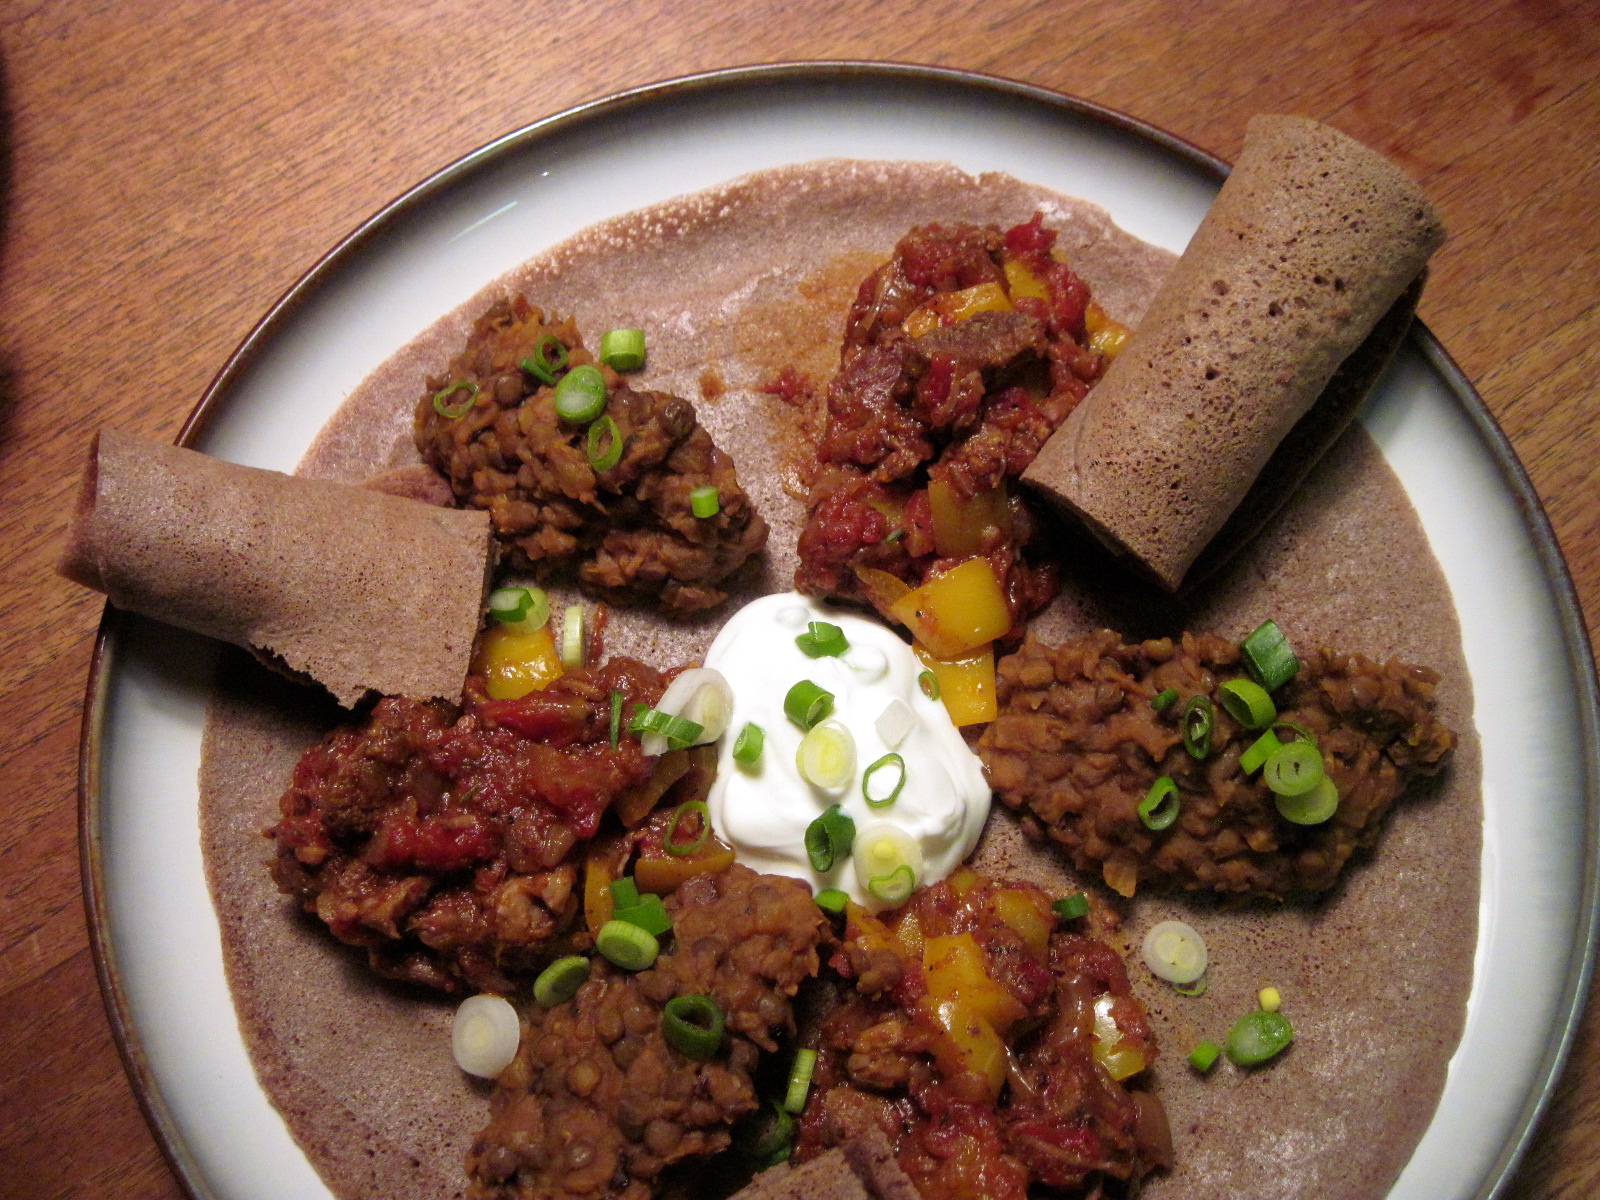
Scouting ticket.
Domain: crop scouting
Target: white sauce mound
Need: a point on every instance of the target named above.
(762, 810)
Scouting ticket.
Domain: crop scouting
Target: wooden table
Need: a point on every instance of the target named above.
(171, 166)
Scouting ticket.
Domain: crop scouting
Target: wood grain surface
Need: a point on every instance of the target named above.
(169, 167)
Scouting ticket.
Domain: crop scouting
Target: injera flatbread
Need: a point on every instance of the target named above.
(738, 282)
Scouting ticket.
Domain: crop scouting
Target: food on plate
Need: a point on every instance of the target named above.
(615, 1085)
(625, 485)
(1145, 766)
(288, 568)
(731, 286)
(446, 840)
(962, 354)
(1310, 242)
(993, 1043)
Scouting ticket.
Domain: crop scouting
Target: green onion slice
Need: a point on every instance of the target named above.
(624, 892)
(1071, 907)
(1305, 734)
(1204, 1056)
(1175, 951)
(581, 394)
(549, 359)
(894, 536)
(602, 445)
(560, 981)
(805, 703)
(826, 756)
(688, 808)
(1162, 701)
(883, 799)
(832, 900)
(1313, 807)
(1256, 755)
(623, 349)
(680, 732)
(650, 915)
(1160, 806)
(616, 719)
(1268, 658)
(895, 887)
(889, 859)
(1293, 769)
(627, 945)
(524, 609)
(692, 1025)
(929, 683)
(460, 408)
(747, 746)
(794, 1096)
(1257, 1037)
(1192, 990)
(829, 839)
(574, 637)
(1198, 717)
(705, 501)
(1248, 703)
(822, 639)
(776, 1143)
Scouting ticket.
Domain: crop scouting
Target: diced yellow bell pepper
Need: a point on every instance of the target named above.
(598, 902)
(950, 308)
(1110, 1050)
(955, 613)
(515, 664)
(1106, 335)
(1023, 283)
(663, 875)
(956, 970)
(1028, 912)
(908, 932)
(959, 521)
(969, 1053)
(962, 880)
(966, 685)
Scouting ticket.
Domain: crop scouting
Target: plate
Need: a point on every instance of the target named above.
(155, 937)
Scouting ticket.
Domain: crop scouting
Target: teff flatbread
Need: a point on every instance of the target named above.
(731, 285)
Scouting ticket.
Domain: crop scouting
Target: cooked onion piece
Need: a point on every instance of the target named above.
(1175, 952)
(485, 1035)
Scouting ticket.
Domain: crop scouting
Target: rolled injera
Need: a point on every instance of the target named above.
(1312, 239)
(354, 588)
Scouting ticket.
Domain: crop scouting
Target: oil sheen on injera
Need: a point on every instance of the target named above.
(731, 286)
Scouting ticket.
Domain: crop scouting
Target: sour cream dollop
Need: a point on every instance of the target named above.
(763, 810)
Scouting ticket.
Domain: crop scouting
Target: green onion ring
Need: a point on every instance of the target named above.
(627, 945)
(794, 1096)
(1305, 734)
(680, 732)
(1071, 907)
(929, 683)
(1160, 806)
(685, 849)
(1257, 1037)
(832, 900)
(1192, 990)
(1248, 703)
(616, 719)
(559, 981)
(896, 886)
(887, 761)
(1198, 717)
(1257, 753)
(545, 366)
(806, 703)
(829, 838)
(692, 1025)
(1204, 1056)
(581, 394)
(1268, 658)
(747, 746)
(822, 639)
(1162, 701)
(460, 410)
(1293, 769)
(622, 349)
(602, 445)
(1313, 807)
(705, 501)
(777, 1143)
(649, 914)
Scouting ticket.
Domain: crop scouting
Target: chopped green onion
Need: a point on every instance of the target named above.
(485, 1034)
(829, 838)
(776, 1144)
(1305, 734)
(623, 349)
(1175, 952)
(1258, 752)
(680, 732)
(1293, 769)
(1162, 701)
(805, 703)
(705, 501)
(1071, 907)
(794, 1097)
(889, 761)
(832, 900)
(574, 650)
(1192, 990)
(627, 945)
(560, 981)
(649, 914)
(1204, 1056)
(1268, 658)
(462, 407)
(894, 536)
(929, 683)
(692, 1025)
(581, 394)
(1160, 806)
(549, 359)
(616, 719)
(1257, 1037)
(822, 639)
(1313, 807)
(826, 756)
(602, 445)
(688, 808)
(524, 609)
(700, 695)
(624, 892)
(895, 887)
(747, 746)
(1247, 703)
(1198, 717)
